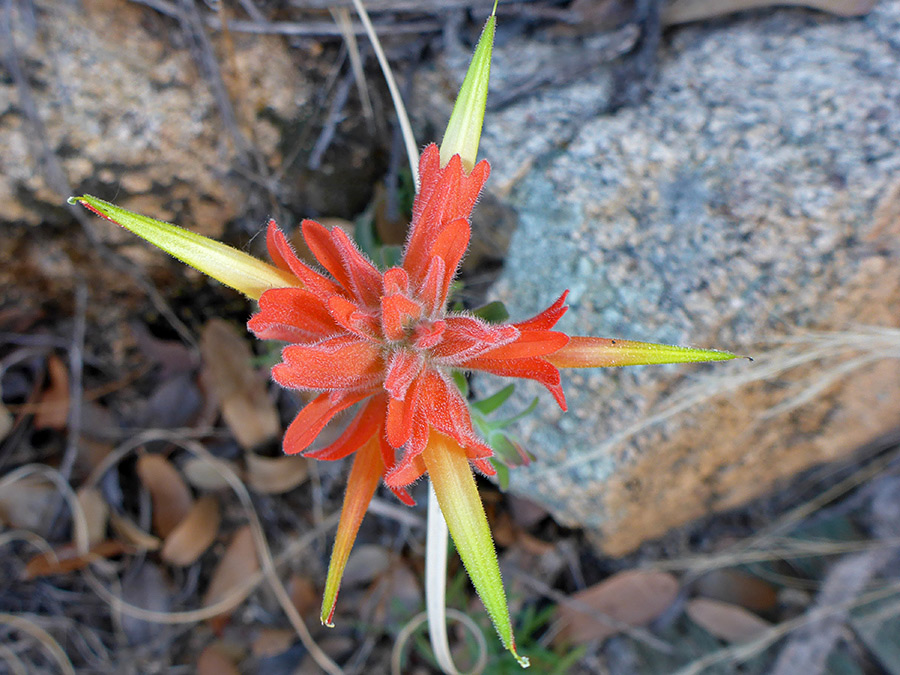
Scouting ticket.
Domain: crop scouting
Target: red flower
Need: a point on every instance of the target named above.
(360, 334)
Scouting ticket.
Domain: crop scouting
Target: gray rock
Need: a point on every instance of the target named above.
(749, 204)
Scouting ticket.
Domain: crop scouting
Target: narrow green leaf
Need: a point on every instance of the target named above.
(464, 128)
(492, 312)
(590, 352)
(232, 267)
(460, 503)
(488, 405)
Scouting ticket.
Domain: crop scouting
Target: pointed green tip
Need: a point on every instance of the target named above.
(464, 128)
(74, 201)
(591, 352)
(232, 267)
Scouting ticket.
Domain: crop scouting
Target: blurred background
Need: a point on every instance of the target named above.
(714, 173)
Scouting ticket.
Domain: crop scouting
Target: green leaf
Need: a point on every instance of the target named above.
(591, 352)
(492, 312)
(451, 475)
(464, 128)
(461, 383)
(488, 405)
(232, 267)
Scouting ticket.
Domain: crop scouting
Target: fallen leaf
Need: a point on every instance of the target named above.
(96, 512)
(237, 564)
(175, 402)
(129, 532)
(272, 642)
(25, 503)
(737, 588)
(215, 661)
(203, 474)
(194, 534)
(246, 407)
(53, 405)
(66, 559)
(726, 621)
(276, 475)
(633, 597)
(169, 494)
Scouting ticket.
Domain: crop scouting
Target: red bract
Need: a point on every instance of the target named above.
(360, 334)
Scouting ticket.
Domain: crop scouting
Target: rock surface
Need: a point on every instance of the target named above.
(752, 203)
(129, 116)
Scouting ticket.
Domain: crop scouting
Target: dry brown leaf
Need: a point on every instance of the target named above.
(66, 559)
(737, 588)
(96, 513)
(169, 494)
(202, 473)
(633, 597)
(129, 532)
(275, 475)
(53, 405)
(272, 642)
(246, 407)
(214, 660)
(726, 621)
(238, 562)
(194, 534)
(25, 503)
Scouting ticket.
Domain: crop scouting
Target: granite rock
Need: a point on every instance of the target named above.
(127, 114)
(750, 204)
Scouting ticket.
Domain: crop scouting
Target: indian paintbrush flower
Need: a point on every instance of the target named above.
(386, 342)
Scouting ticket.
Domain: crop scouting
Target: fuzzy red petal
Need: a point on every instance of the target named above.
(398, 312)
(272, 245)
(404, 367)
(467, 337)
(548, 318)
(366, 424)
(445, 195)
(314, 416)
(344, 362)
(536, 369)
(445, 410)
(281, 250)
(408, 471)
(352, 319)
(399, 420)
(450, 245)
(293, 315)
(364, 276)
(319, 240)
(530, 343)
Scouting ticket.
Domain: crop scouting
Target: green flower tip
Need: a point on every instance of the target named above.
(232, 267)
(464, 128)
